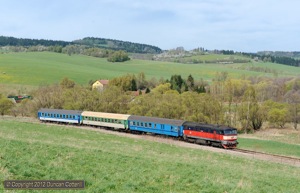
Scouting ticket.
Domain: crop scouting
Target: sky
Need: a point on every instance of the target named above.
(246, 26)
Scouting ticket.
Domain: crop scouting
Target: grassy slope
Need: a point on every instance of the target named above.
(277, 141)
(46, 68)
(109, 163)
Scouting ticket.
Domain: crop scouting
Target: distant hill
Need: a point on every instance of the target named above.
(118, 45)
(280, 54)
(88, 41)
(11, 41)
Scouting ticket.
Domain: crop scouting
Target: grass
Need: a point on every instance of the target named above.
(270, 146)
(109, 163)
(277, 141)
(39, 68)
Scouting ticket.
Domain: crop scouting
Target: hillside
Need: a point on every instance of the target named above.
(118, 45)
(88, 41)
(36, 68)
(111, 163)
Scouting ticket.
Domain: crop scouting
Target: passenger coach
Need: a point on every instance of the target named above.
(111, 120)
(156, 125)
(58, 115)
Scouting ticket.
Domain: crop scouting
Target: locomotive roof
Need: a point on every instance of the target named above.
(60, 111)
(212, 126)
(105, 115)
(156, 120)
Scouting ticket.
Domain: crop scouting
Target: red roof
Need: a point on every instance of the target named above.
(104, 82)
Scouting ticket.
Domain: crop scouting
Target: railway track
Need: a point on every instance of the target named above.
(270, 157)
(294, 161)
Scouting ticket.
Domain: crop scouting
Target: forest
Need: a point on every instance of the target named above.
(88, 42)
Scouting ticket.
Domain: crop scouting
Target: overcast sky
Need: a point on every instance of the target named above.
(238, 25)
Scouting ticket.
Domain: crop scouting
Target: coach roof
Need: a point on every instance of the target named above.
(60, 111)
(156, 120)
(204, 125)
(105, 115)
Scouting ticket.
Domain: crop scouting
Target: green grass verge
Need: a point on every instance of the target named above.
(109, 163)
(270, 146)
(39, 68)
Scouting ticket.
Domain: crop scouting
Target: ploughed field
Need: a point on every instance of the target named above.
(113, 163)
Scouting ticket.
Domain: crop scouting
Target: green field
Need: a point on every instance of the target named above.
(40, 68)
(109, 163)
(270, 146)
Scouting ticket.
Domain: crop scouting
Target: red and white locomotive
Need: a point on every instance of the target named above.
(208, 134)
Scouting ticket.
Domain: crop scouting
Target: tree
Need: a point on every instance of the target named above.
(293, 99)
(162, 88)
(5, 106)
(277, 113)
(177, 83)
(141, 82)
(67, 83)
(126, 82)
(118, 56)
(251, 114)
(190, 83)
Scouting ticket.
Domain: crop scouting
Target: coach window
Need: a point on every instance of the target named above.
(138, 123)
(133, 122)
(142, 124)
(150, 125)
(73, 116)
(162, 127)
(154, 126)
(146, 125)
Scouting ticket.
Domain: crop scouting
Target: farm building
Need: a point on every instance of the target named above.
(100, 85)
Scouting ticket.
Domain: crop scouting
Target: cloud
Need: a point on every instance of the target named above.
(214, 24)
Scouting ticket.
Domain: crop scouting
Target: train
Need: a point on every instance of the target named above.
(200, 133)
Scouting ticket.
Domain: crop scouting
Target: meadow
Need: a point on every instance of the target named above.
(110, 163)
(40, 68)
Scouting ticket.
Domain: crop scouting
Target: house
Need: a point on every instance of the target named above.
(139, 92)
(100, 85)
